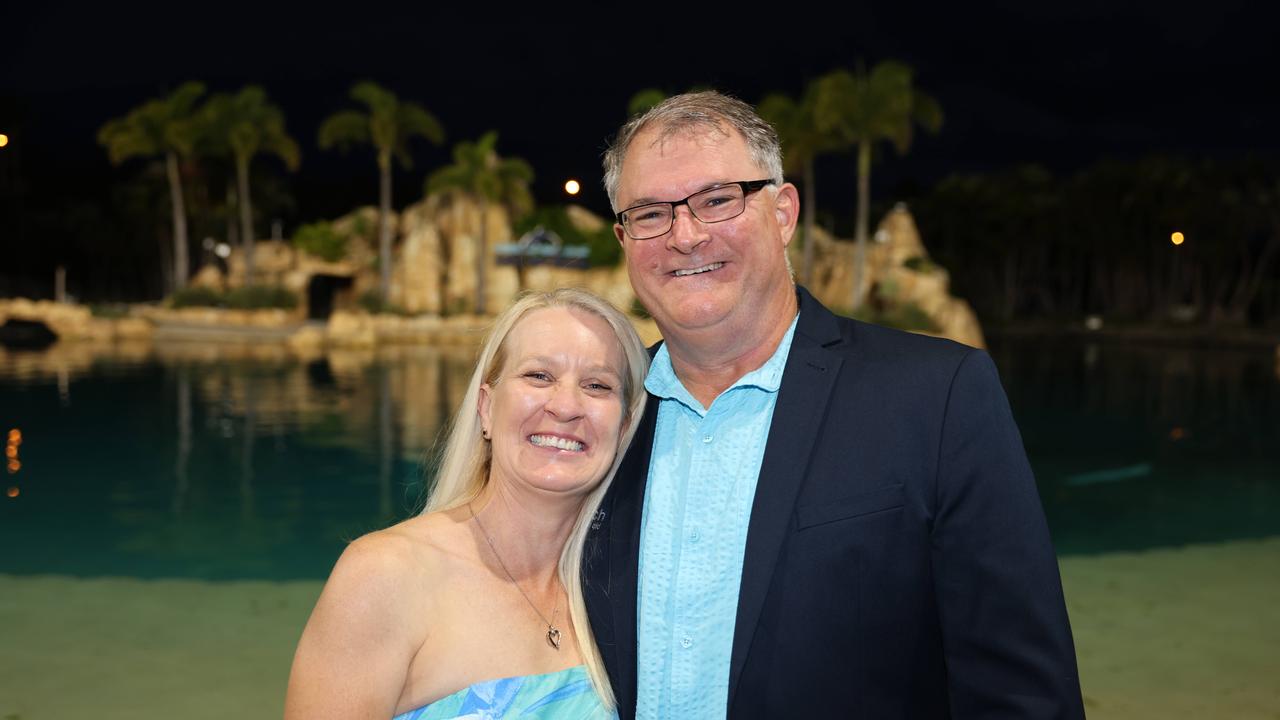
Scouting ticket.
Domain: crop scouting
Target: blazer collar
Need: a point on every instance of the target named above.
(810, 374)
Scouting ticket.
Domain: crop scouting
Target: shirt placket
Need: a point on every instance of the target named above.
(697, 557)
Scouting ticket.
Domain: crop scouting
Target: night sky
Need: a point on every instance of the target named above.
(1059, 85)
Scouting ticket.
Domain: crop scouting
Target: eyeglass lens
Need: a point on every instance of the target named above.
(714, 205)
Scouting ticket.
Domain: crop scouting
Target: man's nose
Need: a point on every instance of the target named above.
(687, 231)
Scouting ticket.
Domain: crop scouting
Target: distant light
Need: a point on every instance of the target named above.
(11, 452)
(14, 466)
(1177, 434)
(4, 139)
(572, 187)
(1177, 238)
(1093, 322)
(15, 437)
(13, 492)
(223, 251)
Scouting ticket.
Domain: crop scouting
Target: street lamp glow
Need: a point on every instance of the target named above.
(1177, 238)
(4, 139)
(572, 187)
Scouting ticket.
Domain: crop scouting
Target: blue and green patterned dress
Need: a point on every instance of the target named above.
(563, 695)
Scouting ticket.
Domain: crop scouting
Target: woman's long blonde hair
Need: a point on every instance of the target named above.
(464, 465)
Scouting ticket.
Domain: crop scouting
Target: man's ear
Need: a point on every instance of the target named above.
(786, 208)
(621, 234)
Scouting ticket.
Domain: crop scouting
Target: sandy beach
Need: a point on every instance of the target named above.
(1189, 632)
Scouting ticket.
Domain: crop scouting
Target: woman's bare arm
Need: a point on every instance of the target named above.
(354, 653)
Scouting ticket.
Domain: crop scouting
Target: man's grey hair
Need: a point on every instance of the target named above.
(706, 111)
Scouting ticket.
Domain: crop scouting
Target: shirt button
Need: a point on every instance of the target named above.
(694, 535)
(686, 641)
(706, 438)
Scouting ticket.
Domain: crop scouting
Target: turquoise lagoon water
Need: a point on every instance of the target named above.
(213, 465)
(171, 512)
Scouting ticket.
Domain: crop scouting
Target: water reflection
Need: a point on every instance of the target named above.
(258, 461)
(216, 461)
(1144, 446)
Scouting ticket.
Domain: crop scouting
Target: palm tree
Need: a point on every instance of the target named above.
(862, 108)
(163, 127)
(803, 142)
(245, 124)
(389, 124)
(478, 171)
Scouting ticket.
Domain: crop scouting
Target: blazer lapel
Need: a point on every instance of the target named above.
(624, 554)
(806, 386)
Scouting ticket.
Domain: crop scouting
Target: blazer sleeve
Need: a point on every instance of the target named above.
(1006, 638)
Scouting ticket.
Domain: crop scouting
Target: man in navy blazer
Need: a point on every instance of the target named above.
(896, 561)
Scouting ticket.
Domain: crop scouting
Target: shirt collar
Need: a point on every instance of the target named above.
(663, 383)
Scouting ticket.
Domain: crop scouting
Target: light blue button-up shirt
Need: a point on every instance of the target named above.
(697, 505)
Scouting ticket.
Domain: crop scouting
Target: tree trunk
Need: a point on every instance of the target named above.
(1252, 277)
(480, 253)
(180, 262)
(860, 231)
(233, 235)
(246, 217)
(810, 208)
(384, 228)
(1010, 282)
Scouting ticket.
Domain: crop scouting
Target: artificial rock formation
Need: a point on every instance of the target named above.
(898, 272)
(437, 239)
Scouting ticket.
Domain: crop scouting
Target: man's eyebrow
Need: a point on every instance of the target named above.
(648, 200)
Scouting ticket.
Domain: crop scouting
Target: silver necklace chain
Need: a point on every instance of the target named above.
(553, 633)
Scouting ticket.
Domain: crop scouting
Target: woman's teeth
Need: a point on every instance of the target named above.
(555, 442)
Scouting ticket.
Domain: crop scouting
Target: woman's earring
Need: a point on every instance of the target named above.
(485, 433)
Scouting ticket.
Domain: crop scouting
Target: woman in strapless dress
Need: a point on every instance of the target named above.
(474, 608)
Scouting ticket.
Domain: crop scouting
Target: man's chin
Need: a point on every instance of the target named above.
(700, 318)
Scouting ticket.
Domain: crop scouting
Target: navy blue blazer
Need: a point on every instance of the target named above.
(897, 565)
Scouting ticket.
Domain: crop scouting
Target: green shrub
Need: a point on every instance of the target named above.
(321, 240)
(260, 297)
(371, 302)
(920, 264)
(604, 247)
(195, 296)
(109, 311)
(606, 251)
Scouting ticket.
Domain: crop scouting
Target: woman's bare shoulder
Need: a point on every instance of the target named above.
(386, 581)
(422, 548)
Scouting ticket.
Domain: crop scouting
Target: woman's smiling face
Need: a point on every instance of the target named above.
(554, 415)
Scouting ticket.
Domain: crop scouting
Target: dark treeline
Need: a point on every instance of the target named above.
(1026, 244)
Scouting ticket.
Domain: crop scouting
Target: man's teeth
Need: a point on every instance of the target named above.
(555, 442)
(704, 268)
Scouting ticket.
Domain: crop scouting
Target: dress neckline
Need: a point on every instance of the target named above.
(468, 688)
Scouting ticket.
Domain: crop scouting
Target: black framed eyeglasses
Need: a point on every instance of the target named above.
(713, 205)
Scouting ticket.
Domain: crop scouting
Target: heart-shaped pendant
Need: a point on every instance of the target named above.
(553, 636)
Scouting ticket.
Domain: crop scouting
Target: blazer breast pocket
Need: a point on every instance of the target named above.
(889, 497)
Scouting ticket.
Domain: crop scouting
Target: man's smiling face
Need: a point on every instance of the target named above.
(700, 275)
